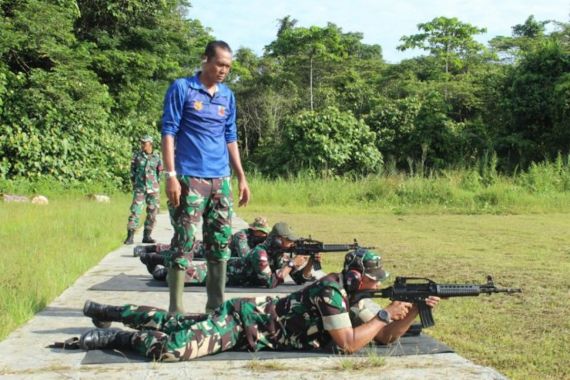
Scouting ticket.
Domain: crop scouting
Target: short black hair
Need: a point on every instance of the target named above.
(210, 51)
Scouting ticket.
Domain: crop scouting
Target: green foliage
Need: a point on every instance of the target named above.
(448, 39)
(541, 189)
(315, 57)
(81, 81)
(523, 38)
(329, 142)
(547, 178)
(55, 114)
(535, 105)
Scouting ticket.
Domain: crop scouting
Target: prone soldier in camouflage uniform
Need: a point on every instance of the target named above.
(320, 316)
(146, 167)
(245, 240)
(241, 242)
(266, 264)
(263, 266)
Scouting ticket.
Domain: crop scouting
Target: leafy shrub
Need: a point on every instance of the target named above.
(329, 141)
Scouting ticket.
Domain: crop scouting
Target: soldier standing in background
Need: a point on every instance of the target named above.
(146, 167)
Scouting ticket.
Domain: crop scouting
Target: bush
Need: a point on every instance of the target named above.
(329, 142)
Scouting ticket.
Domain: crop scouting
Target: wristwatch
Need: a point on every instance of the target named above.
(291, 264)
(384, 316)
(169, 174)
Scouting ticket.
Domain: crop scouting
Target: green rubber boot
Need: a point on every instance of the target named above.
(175, 280)
(215, 284)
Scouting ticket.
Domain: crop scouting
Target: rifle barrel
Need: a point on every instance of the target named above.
(337, 247)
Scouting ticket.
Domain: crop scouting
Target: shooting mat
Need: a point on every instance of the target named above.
(408, 345)
(145, 283)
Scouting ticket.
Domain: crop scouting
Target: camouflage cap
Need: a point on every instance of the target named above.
(282, 229)
(373, 266)
(260, 224)
(147, 138)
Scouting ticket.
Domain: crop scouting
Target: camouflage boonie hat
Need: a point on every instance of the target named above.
(146, 138)
(283, 230)
(367, 262)
(260, 224)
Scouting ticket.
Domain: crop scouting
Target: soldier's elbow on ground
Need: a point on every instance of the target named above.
(386, 339)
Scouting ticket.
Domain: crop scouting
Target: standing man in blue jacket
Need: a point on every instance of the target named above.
(199, 142)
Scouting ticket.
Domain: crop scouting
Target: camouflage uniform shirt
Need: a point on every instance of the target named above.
(243, 241)
(257, 268)
(145, 172)
(302, 319)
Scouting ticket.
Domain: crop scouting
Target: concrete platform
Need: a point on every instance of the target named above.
(24, 353)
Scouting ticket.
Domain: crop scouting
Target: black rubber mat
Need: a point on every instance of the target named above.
(137, 283)
(413, 345)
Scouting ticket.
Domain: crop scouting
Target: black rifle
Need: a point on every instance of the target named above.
(418, 292)
(310, 247)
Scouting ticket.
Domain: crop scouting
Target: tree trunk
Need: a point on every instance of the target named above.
(311, 82)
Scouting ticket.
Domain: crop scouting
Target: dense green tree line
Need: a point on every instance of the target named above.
(81, 80)
(454, 107)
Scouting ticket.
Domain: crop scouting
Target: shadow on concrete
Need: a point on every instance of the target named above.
(65, 330)
(51, 311)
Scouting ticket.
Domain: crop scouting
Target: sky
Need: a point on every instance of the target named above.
(253, 23)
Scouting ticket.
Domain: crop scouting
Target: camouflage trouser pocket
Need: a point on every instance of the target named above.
(207, 199)
(217, 227)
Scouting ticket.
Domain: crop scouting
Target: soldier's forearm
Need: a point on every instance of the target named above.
(235, 160)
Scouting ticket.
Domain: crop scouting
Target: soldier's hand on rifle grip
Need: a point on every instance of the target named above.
(318, 257)
(398, 310)
(300, 262)
(432, 301)
(308, 269)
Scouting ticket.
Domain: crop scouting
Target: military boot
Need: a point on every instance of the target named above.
(160, 273)
(138, 250)
(151, 260)
(147, 238)
(102, 315)
(215, 284)
(175, 280)
(130, 236)
(98, 339)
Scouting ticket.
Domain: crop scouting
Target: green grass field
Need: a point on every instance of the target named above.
(46, 248)
(437, 228)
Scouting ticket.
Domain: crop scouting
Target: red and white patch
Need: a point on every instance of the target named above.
(221, 110)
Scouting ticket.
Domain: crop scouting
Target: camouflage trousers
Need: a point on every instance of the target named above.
(152, 201)
(239, 323)
(197, 272)
(209, 200)
(197, 251)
